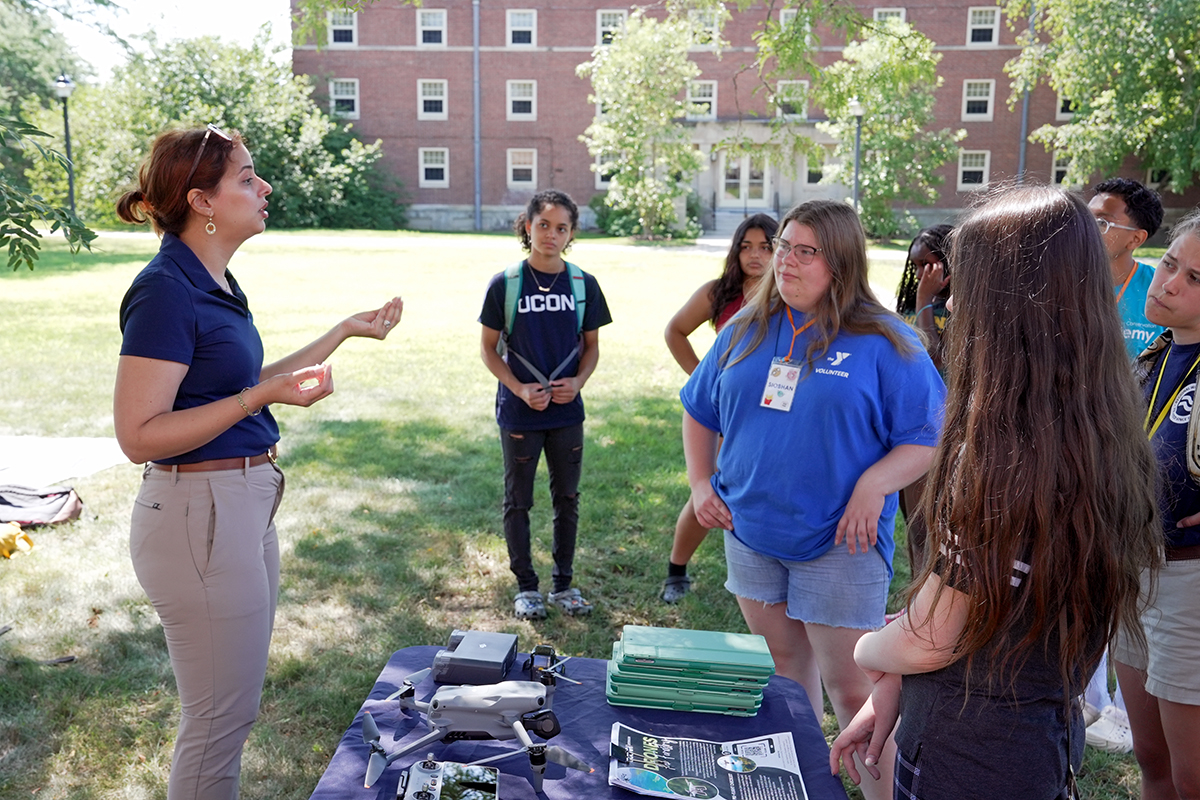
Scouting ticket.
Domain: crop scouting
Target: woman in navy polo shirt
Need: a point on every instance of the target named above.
(191, 398)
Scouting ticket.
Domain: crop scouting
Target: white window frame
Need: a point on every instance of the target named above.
(780, 88)
(510, 28)
(334, 96)
(890, 12)
(975, 84)
(808, 170)
(426, 18)
(601, 182)
(987, 164)
(1164, 176)
(1057, 163)
(1060, 115)
(424, 183)
(342, 26)
(710, 99)
(601, 28)
(531, 185)
(422, 84)
(973, 26)
(787, 16)
(510, 97)
(705, 20)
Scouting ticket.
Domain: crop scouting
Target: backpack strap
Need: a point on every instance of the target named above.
(512, 296)
(579, 290)
(513, 276)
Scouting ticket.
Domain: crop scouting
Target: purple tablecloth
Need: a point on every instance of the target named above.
(586, 719)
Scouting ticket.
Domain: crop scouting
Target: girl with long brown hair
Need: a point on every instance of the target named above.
(1041, 515)
(828, 405)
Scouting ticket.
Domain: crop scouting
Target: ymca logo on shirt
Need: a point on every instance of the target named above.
(1181, 412)
(834, 361)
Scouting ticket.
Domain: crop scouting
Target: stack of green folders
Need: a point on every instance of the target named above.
(710, 671)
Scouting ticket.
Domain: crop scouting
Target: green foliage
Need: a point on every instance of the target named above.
(893, 74)
(321, 173)
(639, 81)
(32, 55)
(18, 232)
(1130, 72)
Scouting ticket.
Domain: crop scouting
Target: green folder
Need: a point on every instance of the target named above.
(708, 680)
(696, 651)
(717, 698)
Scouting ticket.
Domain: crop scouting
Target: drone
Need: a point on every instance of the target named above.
(502, 711)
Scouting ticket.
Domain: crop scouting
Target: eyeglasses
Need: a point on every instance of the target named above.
(187, 183)
(1105, 225)
(804, 253)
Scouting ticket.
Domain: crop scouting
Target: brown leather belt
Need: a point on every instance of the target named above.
(215, 464)
(1189, 553)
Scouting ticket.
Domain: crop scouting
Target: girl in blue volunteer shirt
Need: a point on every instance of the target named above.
(1041, 514)
(828, 405)
(541, 339)
(192, 397)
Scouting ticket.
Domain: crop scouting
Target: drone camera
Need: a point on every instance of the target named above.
(544, 723)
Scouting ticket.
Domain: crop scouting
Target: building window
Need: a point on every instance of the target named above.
(706, 31)
(1157, 177)
(343, 28)
(788, 17)
(1066, 108)
(884, 14)
(343, 98)
(814, 171)
(983, 26)
(973, 169)
(522, 100)
(431, 99)
(435, 167)
(977, 101)
(604, 171)
(522, 28)
(431, 27)
(608, 22)
(1058, 173)
(522, 169)
(791, 100)
(702, 99)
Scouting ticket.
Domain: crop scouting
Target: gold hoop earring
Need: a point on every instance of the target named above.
(210, 229)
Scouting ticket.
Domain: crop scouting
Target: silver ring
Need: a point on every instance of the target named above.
(387, 323)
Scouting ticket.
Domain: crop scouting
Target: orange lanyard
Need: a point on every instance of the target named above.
(795, 331)
(1162, 414)
(1128, 278)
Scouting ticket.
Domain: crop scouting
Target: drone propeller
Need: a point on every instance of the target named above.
(378, 760)
(407, 685)
(561, 756)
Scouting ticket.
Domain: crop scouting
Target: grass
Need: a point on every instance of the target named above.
(390, 527)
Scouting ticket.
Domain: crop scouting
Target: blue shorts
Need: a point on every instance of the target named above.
(837, 589)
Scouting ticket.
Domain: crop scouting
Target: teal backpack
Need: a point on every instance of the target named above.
(513, 277)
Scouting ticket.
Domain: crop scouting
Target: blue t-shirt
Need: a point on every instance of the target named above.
(1139, 332)
(175, 311)
(787, 476)
(1180, 495)
(545, 330)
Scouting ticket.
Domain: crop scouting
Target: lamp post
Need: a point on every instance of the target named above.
(63, 88)
(856, 110)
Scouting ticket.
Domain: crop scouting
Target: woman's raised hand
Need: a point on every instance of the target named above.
(376, 324)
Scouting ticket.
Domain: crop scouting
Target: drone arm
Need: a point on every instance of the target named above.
(522, 734)
(433, 736)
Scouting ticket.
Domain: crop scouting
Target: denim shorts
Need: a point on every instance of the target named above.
(837, 589)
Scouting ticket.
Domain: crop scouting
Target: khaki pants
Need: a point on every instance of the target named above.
(204, 548)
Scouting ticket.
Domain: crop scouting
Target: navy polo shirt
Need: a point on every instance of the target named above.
(175, 311)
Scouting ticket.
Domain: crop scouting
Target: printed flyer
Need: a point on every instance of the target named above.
(762, 768)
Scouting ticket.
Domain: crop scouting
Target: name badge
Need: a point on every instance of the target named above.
(782, 379)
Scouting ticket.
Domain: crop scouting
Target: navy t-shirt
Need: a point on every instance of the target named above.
(544, 332)
(175, 311)
(1180, 493)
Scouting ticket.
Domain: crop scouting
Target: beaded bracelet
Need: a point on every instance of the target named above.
(245, 407)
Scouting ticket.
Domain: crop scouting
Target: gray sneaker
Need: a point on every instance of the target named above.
(675, 587)
(571, 603)
(530, 605)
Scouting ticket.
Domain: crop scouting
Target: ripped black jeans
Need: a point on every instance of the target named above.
(564, 458)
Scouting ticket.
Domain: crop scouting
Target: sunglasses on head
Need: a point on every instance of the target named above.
(196, 161)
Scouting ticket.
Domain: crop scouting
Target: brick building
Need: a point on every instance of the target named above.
(478, 105)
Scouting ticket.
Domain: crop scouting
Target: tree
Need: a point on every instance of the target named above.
(639, 81)
(892, 72)
(322, 175)
(1129, 71)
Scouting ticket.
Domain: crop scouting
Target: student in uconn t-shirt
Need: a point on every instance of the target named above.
(549, 356)
(1160, 681)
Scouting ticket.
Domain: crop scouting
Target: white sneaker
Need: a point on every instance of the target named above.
(1111, 732)
(1090, 712)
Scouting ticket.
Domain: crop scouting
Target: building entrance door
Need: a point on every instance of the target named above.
(745, 182)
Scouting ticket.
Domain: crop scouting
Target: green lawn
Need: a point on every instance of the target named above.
(390, 528)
